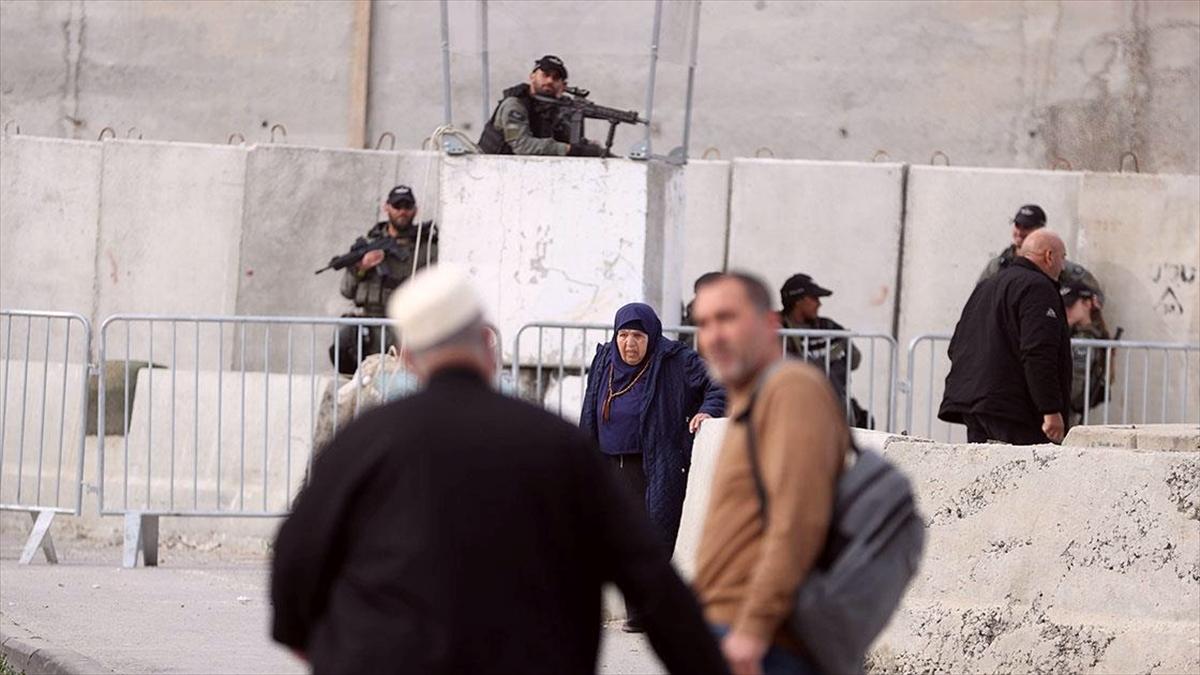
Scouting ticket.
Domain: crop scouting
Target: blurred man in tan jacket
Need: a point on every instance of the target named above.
(749, 567)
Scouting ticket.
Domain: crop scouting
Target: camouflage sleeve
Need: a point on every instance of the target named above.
(990, 271)
(513, 122)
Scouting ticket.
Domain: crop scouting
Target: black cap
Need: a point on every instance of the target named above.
(401, 194)
(1074, 289)
(551, 64)
(799, 285)
(1030, 217)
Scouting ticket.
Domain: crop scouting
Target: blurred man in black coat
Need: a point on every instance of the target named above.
(460, 531)
(1010, 372)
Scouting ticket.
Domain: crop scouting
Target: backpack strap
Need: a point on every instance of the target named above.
(752, 450)
(760, 486)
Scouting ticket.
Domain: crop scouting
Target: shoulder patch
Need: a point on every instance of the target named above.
(517, 115)
(1051, 313)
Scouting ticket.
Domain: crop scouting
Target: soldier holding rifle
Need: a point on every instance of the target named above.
(545, 117)
(379, 262)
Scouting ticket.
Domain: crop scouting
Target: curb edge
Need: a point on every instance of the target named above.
(32, 655)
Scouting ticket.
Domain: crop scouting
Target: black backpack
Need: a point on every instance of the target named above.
(876, 537)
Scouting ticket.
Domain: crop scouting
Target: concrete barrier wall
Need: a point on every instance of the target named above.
(50, 207)
(1022, 575)
(40, 433)
(838, 221)
(562, 239)
(706, 221)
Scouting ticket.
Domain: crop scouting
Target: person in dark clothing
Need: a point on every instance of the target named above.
(522, 125)
(370, 282)
(462, 531)
(1010, 372)
(646, 397)
(801, 300)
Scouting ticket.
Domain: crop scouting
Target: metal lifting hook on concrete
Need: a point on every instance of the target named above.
(130, 130)
(281, 128)
(1130, 154)
(1060, 163)
(935, 155)
(112, 133)
(389, 135)
(712, 150)
(758, 152)
(239, 136)
(881, 153)
(13, 123)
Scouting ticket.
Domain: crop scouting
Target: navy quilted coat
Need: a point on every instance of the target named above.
(681, 389)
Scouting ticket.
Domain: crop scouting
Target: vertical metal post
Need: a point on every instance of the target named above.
(483, 55)
(691, 78)
(446, 116)
(653, 71)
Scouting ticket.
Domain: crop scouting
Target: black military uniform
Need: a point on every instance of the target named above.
(836, 356)
(370, 289)
(1010, 358)
(522, 125)
(462, 531)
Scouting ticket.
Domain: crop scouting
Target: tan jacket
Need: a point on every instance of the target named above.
(747, 577)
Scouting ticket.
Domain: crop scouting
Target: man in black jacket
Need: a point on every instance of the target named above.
(461, 531)
(522, 125)
(1010, 372)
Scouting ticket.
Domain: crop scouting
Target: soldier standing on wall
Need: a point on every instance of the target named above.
(801, 298)
(370, 282)
(1028, 219)
(521, 125)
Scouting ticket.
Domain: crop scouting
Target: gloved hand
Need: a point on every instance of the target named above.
(586, 149)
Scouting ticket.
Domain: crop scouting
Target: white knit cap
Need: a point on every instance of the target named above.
(433, 305)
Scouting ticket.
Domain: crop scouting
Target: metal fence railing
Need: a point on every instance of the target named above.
(43, 418)
(1140, 382)
(555, 359)
(221, 416)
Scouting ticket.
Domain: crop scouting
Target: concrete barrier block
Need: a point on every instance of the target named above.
(563, 239)
(1154, 437)
(252, 434)
(565, 397)
(170, 223)
(1021, 573)
(49, 212)
(838, 221)
(1140, 236)
(705, 450)
(706, 223)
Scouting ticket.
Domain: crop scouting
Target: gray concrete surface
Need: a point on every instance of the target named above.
(991, 84)
(563, 239)
(1154, 437)
(201, 612)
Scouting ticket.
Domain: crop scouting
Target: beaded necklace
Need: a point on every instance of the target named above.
(607, 408)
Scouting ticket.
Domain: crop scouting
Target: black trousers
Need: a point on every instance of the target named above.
(984, 428)
(630, 474)
(347, 345)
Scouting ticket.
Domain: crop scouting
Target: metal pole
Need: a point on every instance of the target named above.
(691, 79)
(483, 53)
(653, 70)
(446, 116)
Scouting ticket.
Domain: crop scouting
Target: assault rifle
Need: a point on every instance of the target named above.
(574, 109)
(361, 247)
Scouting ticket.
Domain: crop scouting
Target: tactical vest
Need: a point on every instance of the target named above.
(541, 123)
(376, 287)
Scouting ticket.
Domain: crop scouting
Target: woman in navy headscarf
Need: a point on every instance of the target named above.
(646, 397)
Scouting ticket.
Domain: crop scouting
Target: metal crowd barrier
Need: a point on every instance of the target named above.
(220, 416)
(1146, 383)
(564, 350)
(43, 419)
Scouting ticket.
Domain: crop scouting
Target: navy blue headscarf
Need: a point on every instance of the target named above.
(619, 424)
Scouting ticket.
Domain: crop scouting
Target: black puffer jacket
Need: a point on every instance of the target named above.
(1011, 351)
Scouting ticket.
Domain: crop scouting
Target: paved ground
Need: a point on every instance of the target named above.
(199, 612)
